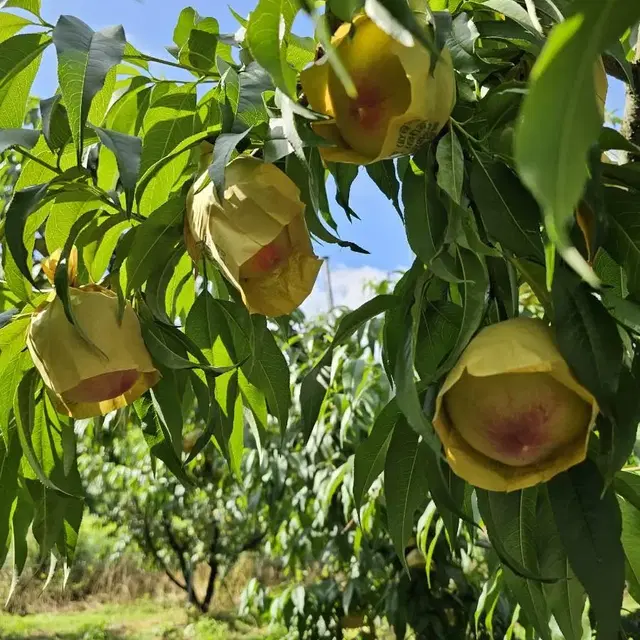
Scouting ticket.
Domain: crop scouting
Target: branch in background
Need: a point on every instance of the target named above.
(156, 556)
(150, 544)
(631, 122)
(180, 551)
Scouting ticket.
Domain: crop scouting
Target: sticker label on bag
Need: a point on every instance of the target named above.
(413, 134)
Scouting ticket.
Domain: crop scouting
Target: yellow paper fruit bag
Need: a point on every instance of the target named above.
(510, 413)
(85, 381)
(400, 104)
(257, 235)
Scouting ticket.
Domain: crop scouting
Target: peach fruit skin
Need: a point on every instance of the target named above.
(416, 104)
(514, 347)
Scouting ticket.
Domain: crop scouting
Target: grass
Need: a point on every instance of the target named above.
(143, 620)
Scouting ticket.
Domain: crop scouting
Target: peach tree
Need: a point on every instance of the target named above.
(154, 226)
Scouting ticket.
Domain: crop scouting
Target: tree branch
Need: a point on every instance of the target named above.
(156, 556)
(213, 570)
(179, 550)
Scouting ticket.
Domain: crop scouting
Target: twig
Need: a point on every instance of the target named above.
(169, 63)
(39, 161)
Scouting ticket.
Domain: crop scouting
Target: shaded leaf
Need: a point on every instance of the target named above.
(509, 213)
(25, 138)
(370, 455)
(554, 165)
(405, 485)
(590, 526)
(127, 151)
(84, 59)
(588, 338)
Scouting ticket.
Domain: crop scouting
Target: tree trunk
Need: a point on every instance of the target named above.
(631, 122)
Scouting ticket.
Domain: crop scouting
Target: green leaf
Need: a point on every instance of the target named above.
(170, 119)
(31, 423)
(396, 18)
(406, 388)
(22, 205)
(625, 424)
(309, 178)
(33, 172)
(55, 122)
(514, 517)
(425, 214)
(10, 24)
(623, 239)
(566, 597)
(166, 400)
(383, 174)
(588, 338)
(154, 241)
(345, 9)
(508, 519)
(162, 353)
(25, 138)
(20, 524)
(64, 211)
(228, 423)
(613, 139)
(33, 6)
(224, 146)
(554, 165)
(631, 544)
(510, 9)
(10, 457)
(127, 113)
(371, 454)
(447, 491)
(85, 57)
(450, 165)
(590, 526)
(344, 175)
(127, 151)
(61, 277)
(269, 27)
(14, 362)
(509, 213)
(405, 485)
(186, 20)
(312, 390)
(270, 373)
(179, 155)
(437, 335)
(474, 292)
(627, 485)
(98, 242)
(19, 63)
(204, 323)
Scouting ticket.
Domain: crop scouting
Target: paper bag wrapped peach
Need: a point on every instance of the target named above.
(85, 381)
(257, 235)
(510, 414)
(400, 104)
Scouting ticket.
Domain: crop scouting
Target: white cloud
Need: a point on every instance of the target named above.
(350, 286)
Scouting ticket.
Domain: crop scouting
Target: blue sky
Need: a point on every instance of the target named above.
(149, 26)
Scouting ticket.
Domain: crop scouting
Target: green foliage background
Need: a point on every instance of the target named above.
(489, 207)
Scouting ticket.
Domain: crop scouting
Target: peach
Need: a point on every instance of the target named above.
(519, 418)
(269, 258)
(103, 387)
(363, 121)
(510, 413)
